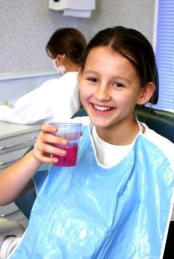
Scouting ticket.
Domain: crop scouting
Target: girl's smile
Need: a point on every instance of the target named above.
(102, 109)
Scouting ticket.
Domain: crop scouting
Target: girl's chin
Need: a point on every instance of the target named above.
(100, 123)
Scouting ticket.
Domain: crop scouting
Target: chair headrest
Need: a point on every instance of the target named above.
(159, 120)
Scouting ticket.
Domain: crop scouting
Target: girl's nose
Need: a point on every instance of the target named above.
(102, 93)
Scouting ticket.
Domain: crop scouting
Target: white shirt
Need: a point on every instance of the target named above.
(108, 155)
(55, 100)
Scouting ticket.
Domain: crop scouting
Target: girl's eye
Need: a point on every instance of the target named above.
(118, 85)
(92, 79)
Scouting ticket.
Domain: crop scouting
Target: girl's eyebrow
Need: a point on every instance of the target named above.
(90, 72)
(114, 77)
(122, 78)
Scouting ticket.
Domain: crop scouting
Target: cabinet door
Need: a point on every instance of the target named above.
(9, 158)
(16, 142)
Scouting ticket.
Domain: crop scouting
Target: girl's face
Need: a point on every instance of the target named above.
(110, 89)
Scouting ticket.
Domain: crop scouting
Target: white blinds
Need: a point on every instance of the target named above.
(165, 53)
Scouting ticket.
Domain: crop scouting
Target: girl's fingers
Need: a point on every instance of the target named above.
(49, 128)
(49, 149)
(47, 137)
(44, 158)
(47, 144)
(45, 140)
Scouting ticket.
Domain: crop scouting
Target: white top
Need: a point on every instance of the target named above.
(108, 155)
(55, 100)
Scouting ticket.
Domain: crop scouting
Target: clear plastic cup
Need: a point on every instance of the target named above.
(72, 132)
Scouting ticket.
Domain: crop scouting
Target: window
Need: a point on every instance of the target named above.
(165, 53)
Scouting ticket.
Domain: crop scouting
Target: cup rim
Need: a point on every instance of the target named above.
(66, 123)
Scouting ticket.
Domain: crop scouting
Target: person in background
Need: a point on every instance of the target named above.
(117, 201)
(65, 47)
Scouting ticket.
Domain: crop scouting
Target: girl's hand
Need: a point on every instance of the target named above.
(44, 145)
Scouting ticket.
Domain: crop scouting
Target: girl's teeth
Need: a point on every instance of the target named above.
(100, 108)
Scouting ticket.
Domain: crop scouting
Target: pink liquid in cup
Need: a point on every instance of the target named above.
(71, 156)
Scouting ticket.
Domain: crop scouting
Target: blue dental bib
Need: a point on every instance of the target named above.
(88, 211)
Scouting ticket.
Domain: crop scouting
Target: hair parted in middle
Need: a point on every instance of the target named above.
(134, 46)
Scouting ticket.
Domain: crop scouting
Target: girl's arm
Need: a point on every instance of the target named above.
(17, 178)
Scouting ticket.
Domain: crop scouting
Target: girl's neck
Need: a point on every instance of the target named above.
(119, 135)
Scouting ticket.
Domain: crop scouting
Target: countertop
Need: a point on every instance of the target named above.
(10, 129)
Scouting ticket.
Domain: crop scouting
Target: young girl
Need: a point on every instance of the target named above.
(117, 201)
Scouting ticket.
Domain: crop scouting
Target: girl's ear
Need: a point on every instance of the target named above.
(146, 93)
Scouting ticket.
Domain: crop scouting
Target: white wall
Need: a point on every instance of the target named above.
(27, 25)
(137, 14)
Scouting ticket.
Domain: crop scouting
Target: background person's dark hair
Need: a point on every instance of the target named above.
(135, 47)
(68, 41)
